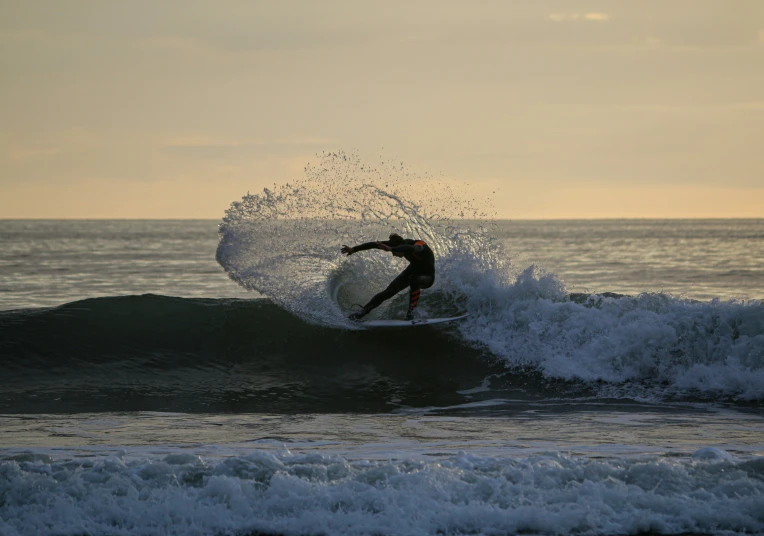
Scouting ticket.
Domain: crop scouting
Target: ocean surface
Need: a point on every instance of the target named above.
(201, 377)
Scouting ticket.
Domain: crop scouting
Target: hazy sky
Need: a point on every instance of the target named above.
(175, 108)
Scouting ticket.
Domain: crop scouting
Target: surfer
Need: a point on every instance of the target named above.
(419, 274)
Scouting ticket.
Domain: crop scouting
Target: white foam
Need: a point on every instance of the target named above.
(652, 345)
(311, 493)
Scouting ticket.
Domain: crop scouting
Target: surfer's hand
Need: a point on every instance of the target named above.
(347, 250)
(383, 246)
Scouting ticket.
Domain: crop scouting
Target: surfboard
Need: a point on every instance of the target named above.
(409, 323)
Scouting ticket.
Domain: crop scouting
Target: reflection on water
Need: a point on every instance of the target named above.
(514, 430)
(47, 263)
(698, 259)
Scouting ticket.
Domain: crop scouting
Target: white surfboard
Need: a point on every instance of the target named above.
(408, 323)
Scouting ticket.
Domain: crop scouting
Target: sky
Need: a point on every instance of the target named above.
(564, 109)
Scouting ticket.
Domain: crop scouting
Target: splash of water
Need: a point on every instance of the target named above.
(284, 242)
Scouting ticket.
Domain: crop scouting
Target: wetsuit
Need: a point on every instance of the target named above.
(419, 274)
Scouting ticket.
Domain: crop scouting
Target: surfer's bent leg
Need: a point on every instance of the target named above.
(417, 283)
(398, 284)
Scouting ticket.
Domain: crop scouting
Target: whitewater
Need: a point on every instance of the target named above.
(283, 244)
(202, 378)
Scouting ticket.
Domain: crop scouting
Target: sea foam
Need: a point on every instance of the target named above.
(310, 493)
(651, 345)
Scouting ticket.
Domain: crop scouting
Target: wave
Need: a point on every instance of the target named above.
(285, 244)
(711, 492)
(650, 346)
(158, 353)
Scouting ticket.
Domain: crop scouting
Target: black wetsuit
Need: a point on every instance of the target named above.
(418, 275)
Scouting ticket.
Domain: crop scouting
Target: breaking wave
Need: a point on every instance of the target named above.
(711, 492)
(285, 243)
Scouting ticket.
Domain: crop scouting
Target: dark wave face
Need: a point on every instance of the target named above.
(155, 353)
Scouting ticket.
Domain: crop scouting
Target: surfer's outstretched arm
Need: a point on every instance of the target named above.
(347, 250)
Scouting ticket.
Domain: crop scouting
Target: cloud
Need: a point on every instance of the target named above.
(595, 17)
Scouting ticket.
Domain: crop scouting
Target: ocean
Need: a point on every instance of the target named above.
(201, 378)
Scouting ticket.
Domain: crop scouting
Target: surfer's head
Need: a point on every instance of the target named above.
(395, 240)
